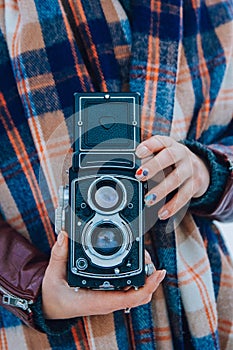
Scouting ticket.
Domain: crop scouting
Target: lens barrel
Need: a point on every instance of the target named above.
(107, 195)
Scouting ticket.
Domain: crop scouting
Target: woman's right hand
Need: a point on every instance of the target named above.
(60, 301)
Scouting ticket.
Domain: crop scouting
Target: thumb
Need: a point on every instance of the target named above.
(59, 256)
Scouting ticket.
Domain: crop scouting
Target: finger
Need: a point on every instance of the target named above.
(180, 199)
(161, 161)
(117, 300)
(58, 258)
(143, 295)
(172, 182)
(147, 257)
(153, 144)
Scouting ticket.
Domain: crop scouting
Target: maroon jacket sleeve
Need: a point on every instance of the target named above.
(224, 208)
(217, 202)
(22, 268)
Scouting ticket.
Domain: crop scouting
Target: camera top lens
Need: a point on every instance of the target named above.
(107, 195)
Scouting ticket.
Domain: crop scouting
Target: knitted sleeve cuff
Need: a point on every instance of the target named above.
(219, 174)
(51, 327)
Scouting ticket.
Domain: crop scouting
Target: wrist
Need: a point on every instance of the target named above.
(218, 173)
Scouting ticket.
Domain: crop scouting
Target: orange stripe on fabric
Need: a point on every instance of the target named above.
(226, 281)
(195, 266)
(205, 89)
(24, 161)
(72, 45)
(185, 71)
(3, 339)
(16, 53)
(225, 326)
(45, 163)
(159, 336)
(148, 91)
(86, 322)
(225, 330)
(75, 336)
(92, 47)
(83, 336)
(208, 308)
(188, 280)
(150, 78)
(162, 329)
(11, 6)
(128, 321)
(32, 120)
(162, 337)
(155, 70)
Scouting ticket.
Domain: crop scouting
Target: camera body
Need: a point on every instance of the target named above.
(103, 207)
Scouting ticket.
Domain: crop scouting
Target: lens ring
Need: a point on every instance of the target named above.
(106, 239)
(113, 246)
(107, 195)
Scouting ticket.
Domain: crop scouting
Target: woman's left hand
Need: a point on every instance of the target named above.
(182, 170)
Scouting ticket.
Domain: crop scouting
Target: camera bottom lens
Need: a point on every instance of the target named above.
(106, 242)
(107, 239)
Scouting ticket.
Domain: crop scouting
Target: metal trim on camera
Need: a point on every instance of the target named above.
(107, 195)
(107, 242)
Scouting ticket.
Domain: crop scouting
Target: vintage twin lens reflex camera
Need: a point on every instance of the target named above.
(103, 207)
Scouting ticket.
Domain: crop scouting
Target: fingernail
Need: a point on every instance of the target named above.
(162, 275)
(60, 239)
(150, 199)
(163, 215)
(140, 173)
(142, 151)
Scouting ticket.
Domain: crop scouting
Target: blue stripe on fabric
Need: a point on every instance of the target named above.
(221, 13)
(62, 342)
(169, 28)
(141, 9)
(60, 57)
(215, 132)
(121, 331)
(215, 241)
(20, 188)
(127, 32)
(4, 56)
(54, 30)
(213, 53)
(7, 319)
(205, 18)
(209, 342)
(10, 94)
(166, 253)
(47, 10)
(60, 60)
(42, 101)
(30, 59)
(143, 326)
(191, 53)
(205, 24)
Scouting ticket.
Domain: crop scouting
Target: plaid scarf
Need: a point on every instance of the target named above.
(178, 55)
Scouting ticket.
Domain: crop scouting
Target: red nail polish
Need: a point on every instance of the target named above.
(139, 172)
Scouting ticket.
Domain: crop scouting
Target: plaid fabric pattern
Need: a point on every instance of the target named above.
(178, 55)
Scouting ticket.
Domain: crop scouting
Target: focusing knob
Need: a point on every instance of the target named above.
(63, 202)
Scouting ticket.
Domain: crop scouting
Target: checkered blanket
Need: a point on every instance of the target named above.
(178, 56)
